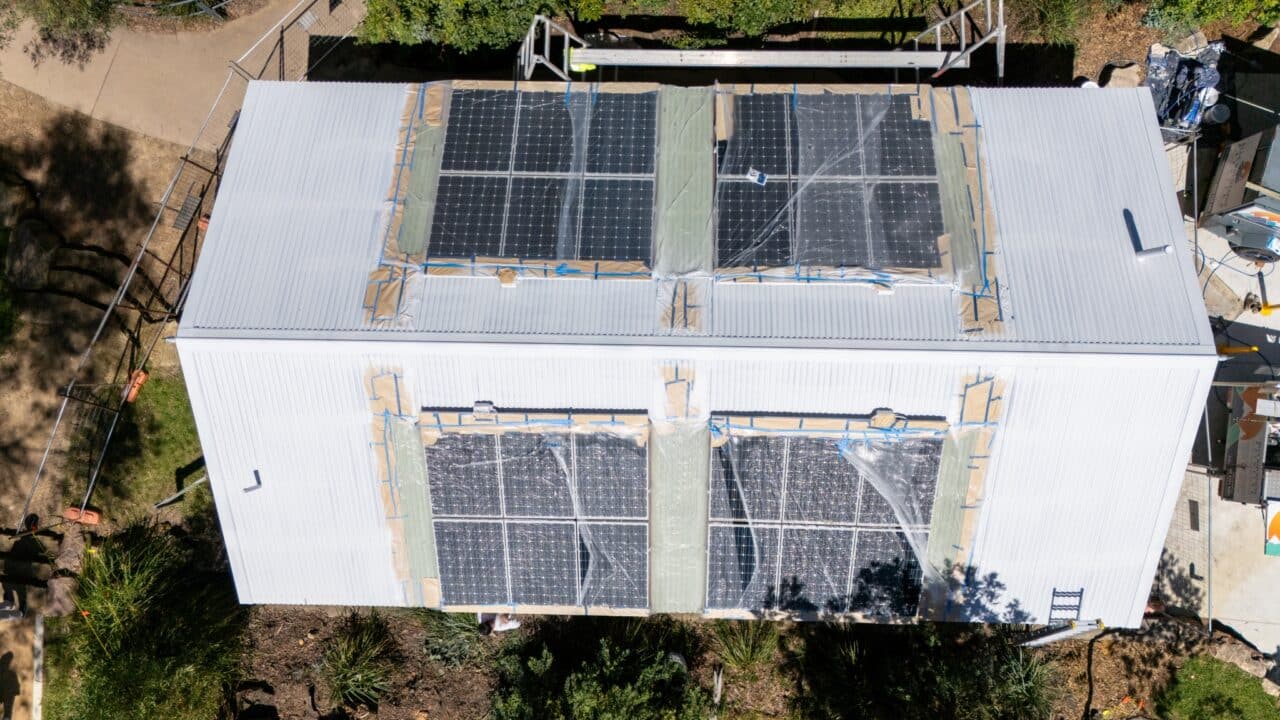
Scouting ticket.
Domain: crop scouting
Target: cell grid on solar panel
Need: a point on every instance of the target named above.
(615, 565)
(468, 216)
(753, 224)
(472, 566)
(479, 130)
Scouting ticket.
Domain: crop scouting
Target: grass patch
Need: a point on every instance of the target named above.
(158, 632)
(154, 447)
(453, 639)
(1206, 688)
(356, 666)
(745, 645)
(1049, 21)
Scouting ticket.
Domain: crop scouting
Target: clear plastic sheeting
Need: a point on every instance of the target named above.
(827, 181)
(549, 173)
(795, 527)
(570, 511)
(899, 471)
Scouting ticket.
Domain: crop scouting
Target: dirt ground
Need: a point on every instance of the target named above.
(286, 645)
(17, 668)
(1117, 38)
(97, 188)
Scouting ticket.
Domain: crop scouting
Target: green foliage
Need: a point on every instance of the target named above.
(468, 25)
(1049, 21)
(452, 638)
(1206, 688)
(918, 671)
(356, 665)
(464, 25)
(157, 633)
(750, 17)
(611, 670)
(1180, 17)
(746, 645)
(69, 30)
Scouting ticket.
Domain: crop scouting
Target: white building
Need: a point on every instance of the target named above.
(627, 349)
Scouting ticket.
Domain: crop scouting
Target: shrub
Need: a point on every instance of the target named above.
(605, 670)
(452, 638)
(1208, 689)
(745, 645)
(356, 667)
(156, 635)
(1050, 21)
(1179, 17)
(918, 671)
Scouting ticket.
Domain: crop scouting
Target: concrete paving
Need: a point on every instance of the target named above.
(1240, 587)
(158, 84)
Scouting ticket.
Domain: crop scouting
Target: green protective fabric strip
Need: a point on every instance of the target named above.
(679, 477)
(415, 498)
(957, 209)
(948, 502)
(420, 199)
(686, 145)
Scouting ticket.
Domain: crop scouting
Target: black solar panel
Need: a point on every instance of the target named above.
(612, 476)
(815, 569)
(463, 473)
(547, 129)
(543, 219)
(838, 154)
(761, 137)
(742, 566)
(623, 133)
(468, 216)
(479, 132)
(614, 570)
(746, 479)
(832, 227)
(753, 224)
(907, 218)
(472, 566)
(535, 475)
(547, 526)
(544, 563)
(794, 525)
(579, 186)
(617, 220)
(821, 485)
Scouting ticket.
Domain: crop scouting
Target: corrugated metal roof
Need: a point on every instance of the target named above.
(300, 209)
(299, 216)
(1066, 165)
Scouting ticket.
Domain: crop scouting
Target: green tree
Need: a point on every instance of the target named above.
(68, 30)
(464, 25)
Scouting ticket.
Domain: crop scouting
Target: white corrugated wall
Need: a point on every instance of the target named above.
(315, 531)
(1086, 464)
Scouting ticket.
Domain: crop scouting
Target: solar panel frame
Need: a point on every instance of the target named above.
(579, 183)
(549, 543)
(819, 499)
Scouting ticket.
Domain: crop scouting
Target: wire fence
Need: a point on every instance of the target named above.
(150, 297)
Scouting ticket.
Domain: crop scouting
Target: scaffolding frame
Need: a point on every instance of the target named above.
(972, 26)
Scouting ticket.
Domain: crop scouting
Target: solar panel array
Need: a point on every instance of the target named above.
(540, 519)
(547, 176)
(827, 180)
(794, 526)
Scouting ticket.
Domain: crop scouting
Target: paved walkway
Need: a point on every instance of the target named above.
(158, 84)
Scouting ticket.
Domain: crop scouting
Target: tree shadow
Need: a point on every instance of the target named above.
(73, 211)
(1177, 586)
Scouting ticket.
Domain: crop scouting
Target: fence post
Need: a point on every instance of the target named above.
(281, 52)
